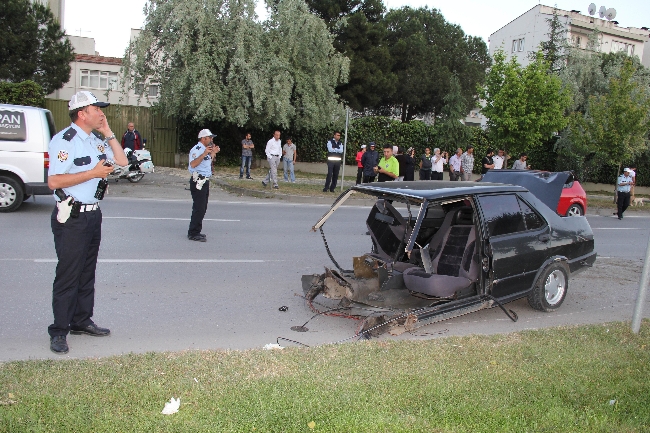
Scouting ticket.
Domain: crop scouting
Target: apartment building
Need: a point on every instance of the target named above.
(524, 34)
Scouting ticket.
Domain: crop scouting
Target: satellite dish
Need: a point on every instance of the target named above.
(592, 9)
(610, 14)
(602, 11)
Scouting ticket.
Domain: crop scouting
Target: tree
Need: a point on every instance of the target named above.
(215, 62)
(616, 124)
(524, 106)
(33, 46)
(452, 133)
(426, 51)
(553, 50)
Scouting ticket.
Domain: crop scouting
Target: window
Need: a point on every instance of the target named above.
(515, 44)
(521, 44)
(577, 41)
(622, 46)
(531, 218)
(502, 214)
(153, 90)
(99, 79)
(139, 88)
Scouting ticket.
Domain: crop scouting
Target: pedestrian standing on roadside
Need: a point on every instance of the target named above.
(623, 186)
(273, 151)
(388, 168)
(132, 138)
(200, 166)
(409, 165)
(425, 165)
(467, 164)
(488, 162)
(438, 160)
(370, 159)
(359, 164)
(520, 164)
(455, 166)
(77, 174)
(334, 160)
(499, 160)
(247, 147)
(289, 155)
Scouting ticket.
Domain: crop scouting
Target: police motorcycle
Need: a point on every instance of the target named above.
(139, 164)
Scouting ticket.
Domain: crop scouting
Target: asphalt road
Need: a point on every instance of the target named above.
(158, 291)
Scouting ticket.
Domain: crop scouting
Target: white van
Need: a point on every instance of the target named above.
(25, 133)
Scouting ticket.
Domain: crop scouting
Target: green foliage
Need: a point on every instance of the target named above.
(216, 63)
(426, 51)
(616, 125)
(33, 46)
(25, 93)
(553, 50)
(450, 128)
(524, 106)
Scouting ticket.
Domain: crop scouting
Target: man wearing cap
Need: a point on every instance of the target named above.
(200, 167)
(369, 160)
(78, 168)
(334, 160)
(623, 185)
(359, 164)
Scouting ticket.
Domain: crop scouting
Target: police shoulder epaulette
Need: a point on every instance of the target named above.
(69, 134)
(97, 134)
(198, 146)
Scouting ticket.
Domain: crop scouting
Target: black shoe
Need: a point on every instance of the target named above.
(197, 238)
(248, 177)
(91, 329)
(241, 177)
(58, 344)
(620, 218)
(325, 190)
(264, 183)
(331, 190)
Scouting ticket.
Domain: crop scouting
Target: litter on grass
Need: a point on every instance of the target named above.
(272, 346)
(171, 406)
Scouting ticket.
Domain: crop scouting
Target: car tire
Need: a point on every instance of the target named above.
(550, 288)
(11, 194)
(575, 210)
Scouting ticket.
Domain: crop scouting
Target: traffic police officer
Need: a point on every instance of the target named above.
(334, 160)
(200, 166)
(77, 167)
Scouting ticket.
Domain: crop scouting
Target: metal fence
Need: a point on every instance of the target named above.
(160, 132)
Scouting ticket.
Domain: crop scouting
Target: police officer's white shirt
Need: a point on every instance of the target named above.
(205, 166)
(273, 148)
(73, 151)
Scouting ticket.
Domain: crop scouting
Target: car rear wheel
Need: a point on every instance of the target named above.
(575, 210)
(550, 289)
(11, 194)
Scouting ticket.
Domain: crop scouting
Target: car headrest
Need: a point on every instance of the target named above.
(464, 216)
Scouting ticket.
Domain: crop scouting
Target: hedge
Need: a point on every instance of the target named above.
(23, 93)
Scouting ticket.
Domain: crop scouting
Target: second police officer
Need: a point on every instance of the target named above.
(200, 165)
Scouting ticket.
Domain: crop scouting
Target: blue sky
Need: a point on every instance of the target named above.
(110, 22)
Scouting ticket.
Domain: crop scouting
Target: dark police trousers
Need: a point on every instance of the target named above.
(199, 207)
(73, 294)
(622, 202)
(332, 175)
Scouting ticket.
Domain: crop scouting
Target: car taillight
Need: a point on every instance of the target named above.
(46, 160)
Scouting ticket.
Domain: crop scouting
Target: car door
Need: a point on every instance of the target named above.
(518, 239)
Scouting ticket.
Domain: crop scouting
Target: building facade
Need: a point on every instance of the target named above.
(524, 34)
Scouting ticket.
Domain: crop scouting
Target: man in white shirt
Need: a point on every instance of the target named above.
(499, 160)
(455, 165)
(437, 161)
(273, 152)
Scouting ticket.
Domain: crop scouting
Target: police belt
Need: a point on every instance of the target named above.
(334, 158)
(88, 207)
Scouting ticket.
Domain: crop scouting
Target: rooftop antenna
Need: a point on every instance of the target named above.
(610, 14)
(602, 11)
(592, 8)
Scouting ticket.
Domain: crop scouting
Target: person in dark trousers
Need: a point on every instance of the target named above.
(623, 186)
(409, 164)
(132, 138)
(369, 160)
(359, 164)
(200, 167)
(334, 160)
(77, 174)
(425, 165)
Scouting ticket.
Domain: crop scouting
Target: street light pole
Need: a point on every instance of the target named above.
(643, 288)
(345, 145)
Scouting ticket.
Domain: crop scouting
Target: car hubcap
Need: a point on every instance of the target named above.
(574, 211)
(554, 287)
(7, 195)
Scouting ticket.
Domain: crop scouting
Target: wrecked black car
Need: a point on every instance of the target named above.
(444, 249)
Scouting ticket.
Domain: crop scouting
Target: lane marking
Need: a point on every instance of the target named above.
(617, 228)
(173, 219)
(166, 261)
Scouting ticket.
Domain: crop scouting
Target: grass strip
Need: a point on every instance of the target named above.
(570, 379)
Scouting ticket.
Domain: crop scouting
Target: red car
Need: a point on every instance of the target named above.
(573, 201)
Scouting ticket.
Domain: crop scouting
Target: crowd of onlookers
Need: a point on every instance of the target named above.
(399, 165)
